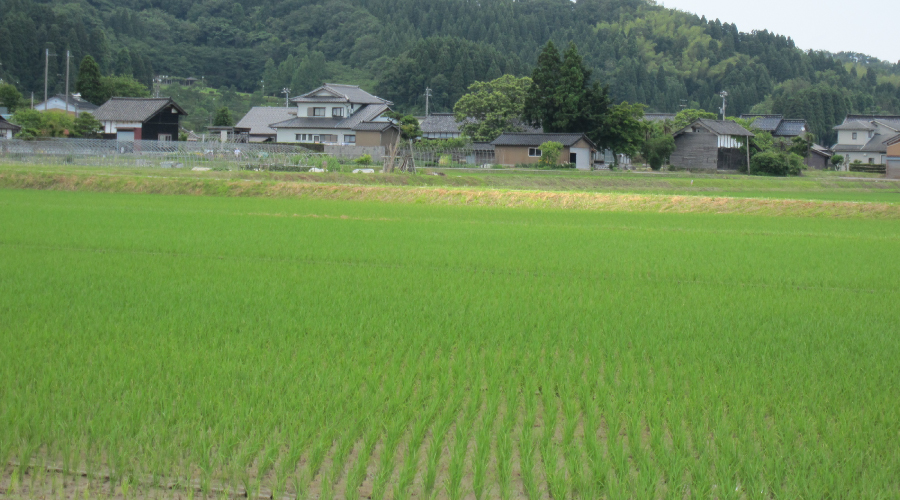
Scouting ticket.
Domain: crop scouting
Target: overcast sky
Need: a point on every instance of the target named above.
(868, 26)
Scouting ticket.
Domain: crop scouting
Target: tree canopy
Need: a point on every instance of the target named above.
(491, 108)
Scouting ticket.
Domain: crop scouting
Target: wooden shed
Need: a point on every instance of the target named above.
(710, 145)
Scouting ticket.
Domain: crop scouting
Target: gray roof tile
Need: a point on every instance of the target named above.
(719, 127)
(766, 123)
(341, 93)
(854, 125)
(5, 125)
(133, 109)
(790, 128)
(526, 139)
(439, 123)
(258, 119)
(307, 122)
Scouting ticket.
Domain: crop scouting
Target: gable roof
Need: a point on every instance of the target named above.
(821, 151)
(854, 125)
(5, 125)
(534, 140)
(439, 123)
(258, 119)
(75, 100)
(361, 116)
(718, 127)
(766, 123)
(790, 128)
(134, 109)
(341, 93)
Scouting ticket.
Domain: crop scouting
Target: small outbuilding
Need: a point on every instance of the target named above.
(819, 157)
(892, 166)
(525, 148)
(75, 105)
(136, 119)
(710, 145)
(7, 129)
(255, 124)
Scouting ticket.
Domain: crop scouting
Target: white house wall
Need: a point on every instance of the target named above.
(290, 134)
(113, 127)
(845, 137)
(303, 109)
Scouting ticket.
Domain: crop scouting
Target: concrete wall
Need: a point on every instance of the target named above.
(696, 150)
(353, 152)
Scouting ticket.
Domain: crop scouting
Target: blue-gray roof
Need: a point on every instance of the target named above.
(790, 128)
(533, 140)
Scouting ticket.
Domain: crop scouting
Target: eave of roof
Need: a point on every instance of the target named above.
(522, 139)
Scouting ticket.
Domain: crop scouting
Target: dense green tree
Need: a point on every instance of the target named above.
(550, 152)
(121, 86)
(223, 118)
(88, 82)
(87, 127)
(491, 108)
(409, 125)
(541, 106)
(624, 130)
(658, 146)
(10, 97)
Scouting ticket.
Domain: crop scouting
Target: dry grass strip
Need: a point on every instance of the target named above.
(452, 196)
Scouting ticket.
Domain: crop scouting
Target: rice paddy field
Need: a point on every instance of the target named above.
(160, 346)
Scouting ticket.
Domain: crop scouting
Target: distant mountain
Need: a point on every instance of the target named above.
(646, 53)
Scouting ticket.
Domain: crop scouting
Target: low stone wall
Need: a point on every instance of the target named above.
(353, 152)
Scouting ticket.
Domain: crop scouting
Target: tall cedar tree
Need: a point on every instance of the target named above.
(540, 103)
(223, 118)
(562, 97)
(88, 81)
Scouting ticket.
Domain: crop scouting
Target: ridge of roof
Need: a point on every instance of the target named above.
(536, 139)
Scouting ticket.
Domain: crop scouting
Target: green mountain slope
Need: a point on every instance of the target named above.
(645, 53)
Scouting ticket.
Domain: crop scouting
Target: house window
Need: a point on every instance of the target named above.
(337, 112)
(871, 161)
(318, 111)
(165, 137)
(350, 139)
(854, 136)
(534, 152)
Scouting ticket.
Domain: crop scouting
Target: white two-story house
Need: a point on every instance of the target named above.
(341, 115)
(864, 138)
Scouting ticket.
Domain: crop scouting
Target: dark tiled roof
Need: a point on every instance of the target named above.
(719, 127)
(439, 123)
(821, 150)
(373, 126)
(341, 93)
(533, 140)
(766, 123)
(363, 114)
(307, 122)
(890, 121)
(790, 128)
(133, 109)
(258, 119)
(5, 125)
(893, 140)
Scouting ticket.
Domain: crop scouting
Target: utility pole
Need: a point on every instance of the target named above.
(427, 100)
(287, 92)
(68, 55)
(724, 95)
(263, 82)
(46, 67)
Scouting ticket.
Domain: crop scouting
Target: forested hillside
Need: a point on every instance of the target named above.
(645, 53)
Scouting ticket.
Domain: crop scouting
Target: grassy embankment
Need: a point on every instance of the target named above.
(182, 345)
(863, 196)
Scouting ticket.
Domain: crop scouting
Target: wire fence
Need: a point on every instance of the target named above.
(160, 154)
(465, 157)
